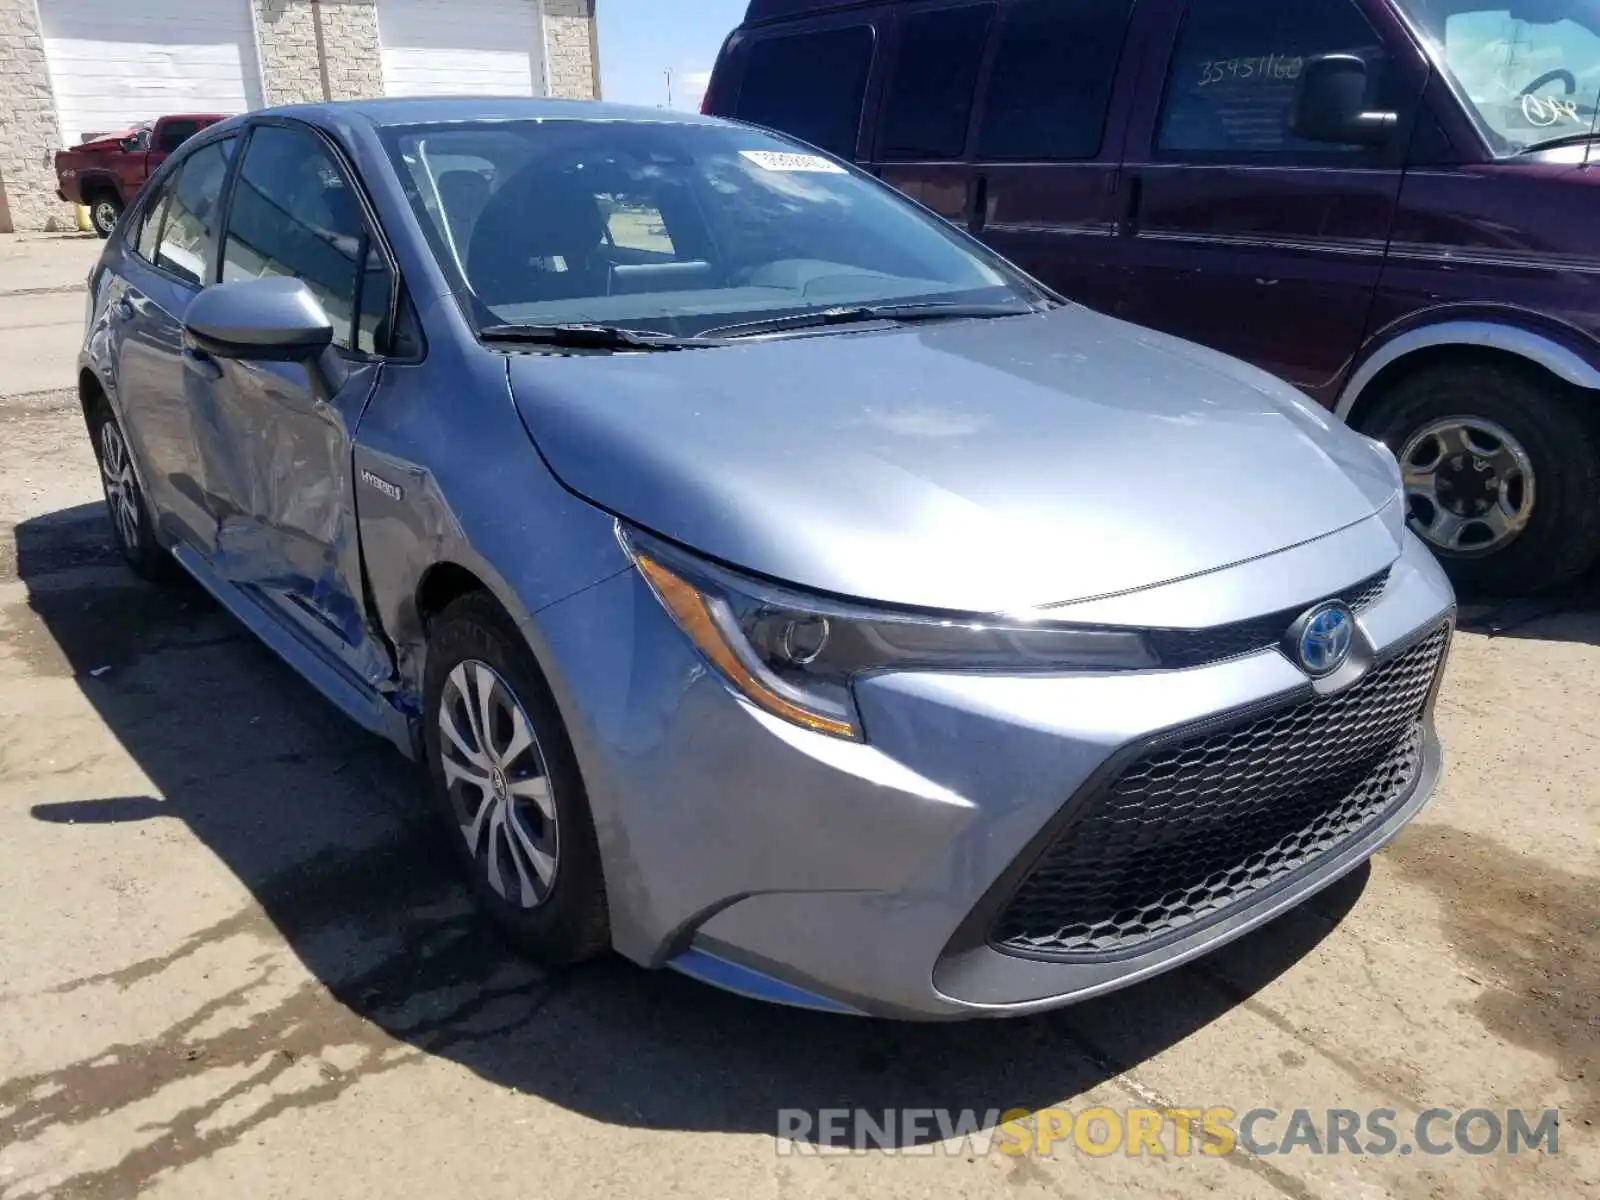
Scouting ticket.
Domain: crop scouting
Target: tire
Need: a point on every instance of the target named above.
(1556, 534)
(559, 919)
(105, 209)
(127, 508)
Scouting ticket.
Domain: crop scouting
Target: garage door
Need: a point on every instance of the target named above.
(113, 62)
(462, 47)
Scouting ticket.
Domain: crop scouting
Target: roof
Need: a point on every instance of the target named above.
(442, 109)
(772, 10)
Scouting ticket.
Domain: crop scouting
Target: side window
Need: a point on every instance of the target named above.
(295, 214)
(1232, 81)
(1050, 86)
(935, 72)
(810, 85)
(144, 244)
(176, 133)
(188, 236)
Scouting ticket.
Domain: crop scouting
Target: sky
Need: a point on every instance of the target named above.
(641, 39)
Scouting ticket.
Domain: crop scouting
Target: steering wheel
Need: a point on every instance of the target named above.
(1561, 73)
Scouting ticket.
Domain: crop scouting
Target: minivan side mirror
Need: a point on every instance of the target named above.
(276, 319)
(1330, 104)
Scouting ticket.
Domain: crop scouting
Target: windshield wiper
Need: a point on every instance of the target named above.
(855, 314)
(591, 337)
(1565, 139)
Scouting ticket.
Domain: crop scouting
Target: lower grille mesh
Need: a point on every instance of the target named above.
(1199, 825)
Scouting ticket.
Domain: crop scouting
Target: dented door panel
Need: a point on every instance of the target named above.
(278, 462)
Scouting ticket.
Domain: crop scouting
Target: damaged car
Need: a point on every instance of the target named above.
(776, 585)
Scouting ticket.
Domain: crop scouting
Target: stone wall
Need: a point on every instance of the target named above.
(351, 50)
(29, 137)
(569, 36)
(286, 41)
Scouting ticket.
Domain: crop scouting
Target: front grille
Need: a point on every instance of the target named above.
(1180, 648)
(1200, 824)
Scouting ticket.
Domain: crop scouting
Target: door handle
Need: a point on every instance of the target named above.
(1132, 204)
(980, 204)
(202, 364)
(123, 307)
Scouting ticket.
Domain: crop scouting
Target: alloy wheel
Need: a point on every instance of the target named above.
(104, 216)
(1469, 485)
(499, 784)
(122, 489)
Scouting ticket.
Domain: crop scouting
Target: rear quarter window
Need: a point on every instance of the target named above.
(810, 85)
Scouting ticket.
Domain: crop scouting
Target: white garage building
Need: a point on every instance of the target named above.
(78, 67)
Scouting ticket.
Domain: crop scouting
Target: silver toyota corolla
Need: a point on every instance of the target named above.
(777, 585)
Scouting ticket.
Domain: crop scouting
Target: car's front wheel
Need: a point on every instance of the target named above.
(1501, 470)
(131, 527)
(506, 783)
(104, 210)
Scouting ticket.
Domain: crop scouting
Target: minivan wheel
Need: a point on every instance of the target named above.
(1500, 470)
(104, 211)
(506, 784)
(131, 527)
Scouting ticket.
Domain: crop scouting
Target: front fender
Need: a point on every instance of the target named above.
(1563, 351)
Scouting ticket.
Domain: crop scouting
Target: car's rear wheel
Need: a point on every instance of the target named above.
(506, 784)
(1501, 471)
(131, 527)
(105, 208)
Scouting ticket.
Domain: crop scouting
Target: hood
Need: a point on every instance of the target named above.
(978, 466)
(109, 141)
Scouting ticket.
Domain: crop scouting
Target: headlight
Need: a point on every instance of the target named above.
(796, 656)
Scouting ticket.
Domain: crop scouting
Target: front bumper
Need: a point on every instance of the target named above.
(807, 870)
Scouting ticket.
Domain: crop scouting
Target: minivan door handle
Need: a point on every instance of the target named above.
(1132, 204)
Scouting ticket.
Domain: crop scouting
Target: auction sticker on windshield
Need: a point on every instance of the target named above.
(772, 160)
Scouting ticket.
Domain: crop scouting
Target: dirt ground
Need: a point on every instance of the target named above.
(233, 961)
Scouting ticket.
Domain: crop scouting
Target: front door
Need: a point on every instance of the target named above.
(1245, 237)
(285, 431)
(169, 255)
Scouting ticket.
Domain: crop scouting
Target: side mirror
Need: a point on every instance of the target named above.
(1330, 104)
(259, 320)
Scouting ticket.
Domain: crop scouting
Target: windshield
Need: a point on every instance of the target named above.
(1530, 69)
(672, 228)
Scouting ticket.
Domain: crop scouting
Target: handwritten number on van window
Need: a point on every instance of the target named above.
(1261, 68)
(1544, 111)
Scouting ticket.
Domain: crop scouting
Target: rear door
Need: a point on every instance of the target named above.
(1241, 235)
(926, 111)
(284, 438)
(811, 79)
(1048, 139)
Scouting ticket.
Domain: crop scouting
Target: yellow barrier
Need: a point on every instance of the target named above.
(84, 224)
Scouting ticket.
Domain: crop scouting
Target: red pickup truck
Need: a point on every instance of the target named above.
(105, 172)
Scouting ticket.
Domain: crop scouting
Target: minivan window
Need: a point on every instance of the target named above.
(1050, 85)
(1530, 73)
(188, 237)
(810, 85)
(294, 214)
(1232, 81)
(681, 228)
(935, 73)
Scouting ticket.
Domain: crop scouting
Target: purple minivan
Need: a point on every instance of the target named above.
(1389, 203)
